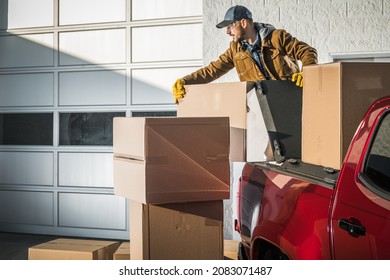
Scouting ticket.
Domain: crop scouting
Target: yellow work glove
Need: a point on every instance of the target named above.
(178, 90)
(298, 79)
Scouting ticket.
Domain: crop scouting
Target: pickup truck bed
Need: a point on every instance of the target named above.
(296, 210)
(284, 192)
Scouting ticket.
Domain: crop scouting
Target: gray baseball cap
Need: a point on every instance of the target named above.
(234, 13)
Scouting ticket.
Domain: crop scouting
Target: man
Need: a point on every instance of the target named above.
(258, 51)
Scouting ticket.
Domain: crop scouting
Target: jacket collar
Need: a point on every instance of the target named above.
(264, 30)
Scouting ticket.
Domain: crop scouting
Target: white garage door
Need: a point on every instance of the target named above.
(67, 67)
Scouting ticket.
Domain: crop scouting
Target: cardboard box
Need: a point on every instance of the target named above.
(216, 100)
(336, 96)
(169, 160)
(123, 252)
(179, 231)
(230, 100)
(73, 249)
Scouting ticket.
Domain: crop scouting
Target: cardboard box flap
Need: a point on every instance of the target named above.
(129, 137)
(129, 178)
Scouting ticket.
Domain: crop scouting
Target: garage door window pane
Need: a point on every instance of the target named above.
(26, 129)
(87, 128)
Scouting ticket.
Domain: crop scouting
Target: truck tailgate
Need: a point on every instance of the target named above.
(286, 205)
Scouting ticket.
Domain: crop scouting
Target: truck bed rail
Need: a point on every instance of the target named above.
(313, 173)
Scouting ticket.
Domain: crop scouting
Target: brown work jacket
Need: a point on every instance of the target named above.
(280, 53)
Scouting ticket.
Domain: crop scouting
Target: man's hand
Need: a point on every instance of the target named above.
(178, 90)
(298, 79)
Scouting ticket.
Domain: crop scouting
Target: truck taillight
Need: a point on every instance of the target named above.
(236, 226)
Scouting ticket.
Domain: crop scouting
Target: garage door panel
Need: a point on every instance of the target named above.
(87, 210)
(92, 88)
(92, 47)
(26, 168)
(90, 11)
(145, 51)
(140, 9)
(85, 170)
(25, 207)
(27, 89)
(23, 13)
(27, 50)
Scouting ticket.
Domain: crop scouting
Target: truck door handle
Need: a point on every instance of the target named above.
(353, 226)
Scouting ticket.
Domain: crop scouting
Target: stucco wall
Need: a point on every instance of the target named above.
(328, 25)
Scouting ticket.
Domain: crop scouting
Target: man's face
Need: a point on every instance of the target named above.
(236, 31)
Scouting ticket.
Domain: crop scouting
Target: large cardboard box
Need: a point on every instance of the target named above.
(237, 100)
(73, 249)
(123, 252)
(179, 231)
(335, 98)
(169, 160)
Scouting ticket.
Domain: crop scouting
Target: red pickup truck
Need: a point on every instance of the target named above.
(296, 210)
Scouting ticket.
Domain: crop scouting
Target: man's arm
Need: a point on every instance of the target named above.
(212, 71)
(204, 75)
(298, 50)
